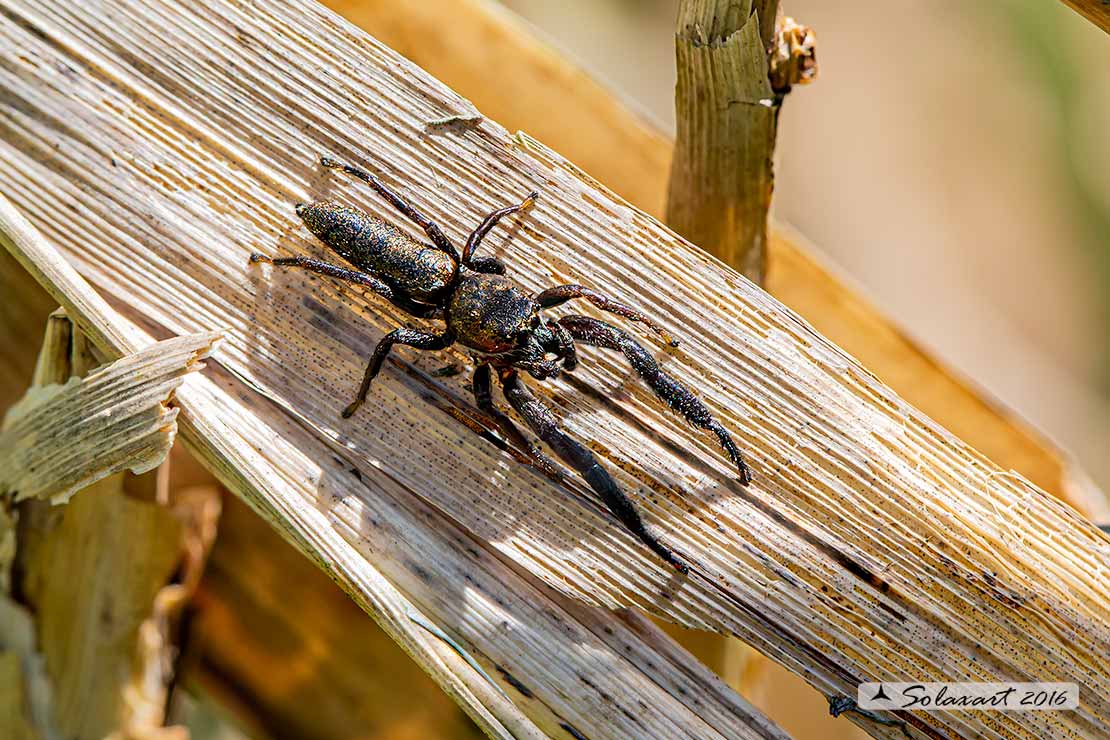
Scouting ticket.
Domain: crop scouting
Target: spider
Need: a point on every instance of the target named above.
(503, 325)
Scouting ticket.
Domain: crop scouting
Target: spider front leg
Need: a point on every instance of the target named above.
(574, 454)
(564, 346)
(406, 337)
(674, 394)
(484, 228)
(563, 293)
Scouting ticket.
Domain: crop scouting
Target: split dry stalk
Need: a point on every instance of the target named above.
(61, 438)
(117, 549)
(90, 572)
(872, 543)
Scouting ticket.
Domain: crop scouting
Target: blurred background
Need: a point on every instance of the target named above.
(953, 159)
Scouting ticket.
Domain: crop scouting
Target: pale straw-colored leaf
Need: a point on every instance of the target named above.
(570, 666)
(160, 143)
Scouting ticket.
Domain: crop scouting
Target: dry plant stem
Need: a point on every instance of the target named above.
(52, 363)
(61, 438)
(117, 337)
(115, 549)
(589, 124)
(514, 623)
(727, 116)
(273, 640)
(927, 568)
(1096, 11)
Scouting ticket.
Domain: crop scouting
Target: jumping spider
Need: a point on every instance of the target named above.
(500, 323)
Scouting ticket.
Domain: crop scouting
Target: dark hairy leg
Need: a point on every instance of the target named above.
(483, 394)
(439, 239)
(406, 337)
(563, 293)
(403, 302)
(600, 334)
(489, 222)
(487, 265)
(539, 369)
(574, 454)
(566, 351)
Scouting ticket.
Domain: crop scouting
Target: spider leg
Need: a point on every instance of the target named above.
(484, 396)
(439, 239)
(566, 350)
(489, 222)
(486, 265)
(563, 293)
(677, 396)
(406, 337)
(398, 299)
(574, 454)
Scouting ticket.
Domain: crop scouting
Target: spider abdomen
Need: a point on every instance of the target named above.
(375, 246)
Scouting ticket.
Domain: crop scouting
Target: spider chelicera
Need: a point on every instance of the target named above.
(504, 327)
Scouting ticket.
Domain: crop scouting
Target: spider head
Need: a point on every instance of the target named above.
(540, 334)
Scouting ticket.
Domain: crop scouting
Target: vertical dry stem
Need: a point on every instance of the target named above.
(727, 115)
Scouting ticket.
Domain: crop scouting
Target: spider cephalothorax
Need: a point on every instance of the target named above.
(503, 325)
